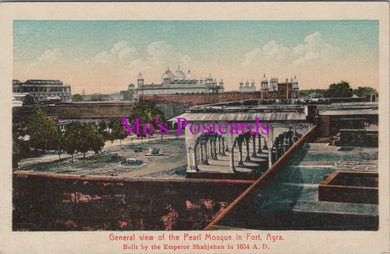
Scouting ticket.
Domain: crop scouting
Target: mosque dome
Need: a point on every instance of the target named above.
(189, 76)
(180, 75)
(168, 75)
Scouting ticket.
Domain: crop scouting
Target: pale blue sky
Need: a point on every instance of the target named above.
(232, 50)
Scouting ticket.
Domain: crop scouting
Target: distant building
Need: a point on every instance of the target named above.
(42, 90)
(247, 87)
(178, 83)
(130, 94)
(274, 89)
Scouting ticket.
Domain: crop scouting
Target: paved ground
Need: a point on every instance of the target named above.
(171, 164)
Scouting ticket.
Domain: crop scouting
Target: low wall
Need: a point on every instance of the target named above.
(43, 202)
(199, 99)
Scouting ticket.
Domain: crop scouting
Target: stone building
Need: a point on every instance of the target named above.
(43, 90)
(179, 83)
(274, 89)
(247, 87)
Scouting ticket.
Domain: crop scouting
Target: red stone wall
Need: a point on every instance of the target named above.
(199, 99)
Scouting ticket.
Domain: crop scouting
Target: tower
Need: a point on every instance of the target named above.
(264, 87)
(295, 87)
(273, 85)
(140, 79)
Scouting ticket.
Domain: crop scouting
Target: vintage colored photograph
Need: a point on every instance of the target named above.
(195, 125)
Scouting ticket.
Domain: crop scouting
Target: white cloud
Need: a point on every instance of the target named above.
(50, 56)
(314, 51)
(270, 53)
(160, 50)
(121, 52)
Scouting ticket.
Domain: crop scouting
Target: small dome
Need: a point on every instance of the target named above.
(140, 76)
(189, 76)
(264, 79)
(295, 79)
(131, 86)
(168, 75)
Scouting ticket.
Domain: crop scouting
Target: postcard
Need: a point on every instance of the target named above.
(195, 127)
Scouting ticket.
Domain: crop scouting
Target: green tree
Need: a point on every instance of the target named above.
(116, 126)
(341, 89)
(28, 100)
(80, 137)
(20, 150)
(72, 138)
(147, 113)
(43, 131)
(363, 91)
(94, 138)
(77, 97)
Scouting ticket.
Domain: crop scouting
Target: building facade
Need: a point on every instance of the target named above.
(273, 89)
(247, 88)
(43, 90)
(178, 83)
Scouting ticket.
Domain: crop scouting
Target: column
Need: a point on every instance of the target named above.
(219, 146)
(192, 167)
(194, 159)
(231, 162)
(214, 141)
(223, 147)
(254, 146)
(201, 154)
(270, 141)
(206, 161)
(259, 150)
(247, 138)
(240, 163)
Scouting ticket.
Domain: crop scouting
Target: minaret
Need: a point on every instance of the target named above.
(295, 87)
(264, 87)
(287, 88)
(140, 79)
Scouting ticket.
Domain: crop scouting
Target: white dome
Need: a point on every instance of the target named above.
(189, 76)
(168, 75)
(264, 79)
(295, 79)
(180, 75)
